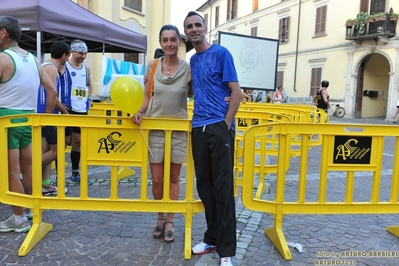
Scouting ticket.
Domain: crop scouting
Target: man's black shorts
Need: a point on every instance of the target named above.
(69, 130)
(50, 134)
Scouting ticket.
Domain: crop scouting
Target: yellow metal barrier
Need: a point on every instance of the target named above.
(248, 114)
(296, 113)
(311, 113)
(264, 146)
(347, 150)
(105, 142)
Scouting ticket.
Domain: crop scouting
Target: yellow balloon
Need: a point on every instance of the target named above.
(127, 94)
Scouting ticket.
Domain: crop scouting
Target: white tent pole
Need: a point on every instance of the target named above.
(39, 46)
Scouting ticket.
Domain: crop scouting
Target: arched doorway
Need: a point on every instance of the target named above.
(372, 87)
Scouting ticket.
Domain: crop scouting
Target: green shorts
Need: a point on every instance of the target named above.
(18, 137)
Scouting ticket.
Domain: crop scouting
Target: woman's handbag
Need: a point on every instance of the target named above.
(151, 86)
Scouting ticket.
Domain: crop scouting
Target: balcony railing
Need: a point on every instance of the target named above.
(381, 27)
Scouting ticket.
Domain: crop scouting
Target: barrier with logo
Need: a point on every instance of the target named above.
(107, 108)
(103, 144)
(346, 149)
(247, 115)
(351, 152)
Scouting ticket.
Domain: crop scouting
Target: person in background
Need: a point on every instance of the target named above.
(172, 86)
(321, 97)
(213, 128)
(264, 96)
(20, 77)
(246, 96)
(393, 119)
(269, 97)
(54, 67)
(278, 96)
(158, 53)
(76, 93)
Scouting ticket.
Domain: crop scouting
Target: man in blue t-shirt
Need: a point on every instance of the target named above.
(214, 78)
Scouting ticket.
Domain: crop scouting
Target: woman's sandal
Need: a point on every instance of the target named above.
(158, 230)
(169, 235)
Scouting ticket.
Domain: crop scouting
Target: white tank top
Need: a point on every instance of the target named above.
(20, 91)
(79, 89)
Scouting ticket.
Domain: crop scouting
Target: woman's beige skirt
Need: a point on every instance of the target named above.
(156, 143)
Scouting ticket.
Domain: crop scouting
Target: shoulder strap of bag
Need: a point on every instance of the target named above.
(151, 77)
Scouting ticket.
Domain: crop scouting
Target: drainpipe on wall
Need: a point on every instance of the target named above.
(210, 20)
(297, 43)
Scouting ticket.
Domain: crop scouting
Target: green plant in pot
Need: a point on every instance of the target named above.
(350, 22)
(393, 15)
(361, 23)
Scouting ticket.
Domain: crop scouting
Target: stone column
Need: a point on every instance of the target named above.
(350, 89)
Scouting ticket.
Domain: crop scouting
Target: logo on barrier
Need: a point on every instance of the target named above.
(242, 122)
(113, 143)
(350, 150)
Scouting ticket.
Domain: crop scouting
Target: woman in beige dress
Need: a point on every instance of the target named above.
(172, 86)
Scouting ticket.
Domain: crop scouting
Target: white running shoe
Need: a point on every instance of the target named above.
(226, 261)
(203, 248)
(10, 225)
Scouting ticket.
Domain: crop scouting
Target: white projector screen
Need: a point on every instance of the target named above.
(255, 59)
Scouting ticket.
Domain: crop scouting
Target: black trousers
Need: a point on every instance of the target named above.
(213, 153)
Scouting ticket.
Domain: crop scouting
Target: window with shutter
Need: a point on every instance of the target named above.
(364, 6)
(216, 16)
(283, 29)
(254, 31)
(315, 80)
(255, 5)
(206, 19)
(321, 17)
(228, 10)
(377, 6)
(134, 4)
(280, 78)
(231, 9)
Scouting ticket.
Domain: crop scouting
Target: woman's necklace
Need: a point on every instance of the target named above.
(172, 67)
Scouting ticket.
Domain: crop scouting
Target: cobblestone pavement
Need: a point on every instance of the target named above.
(113, 238)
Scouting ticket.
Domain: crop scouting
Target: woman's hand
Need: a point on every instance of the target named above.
(136, 119)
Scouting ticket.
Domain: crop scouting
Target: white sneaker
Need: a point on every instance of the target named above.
(226, 261)
(10, 225)
(203, 248)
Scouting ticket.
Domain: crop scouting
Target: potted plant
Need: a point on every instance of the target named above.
(376, 17)
(350, 22)
(394, 16)
(361, 23)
